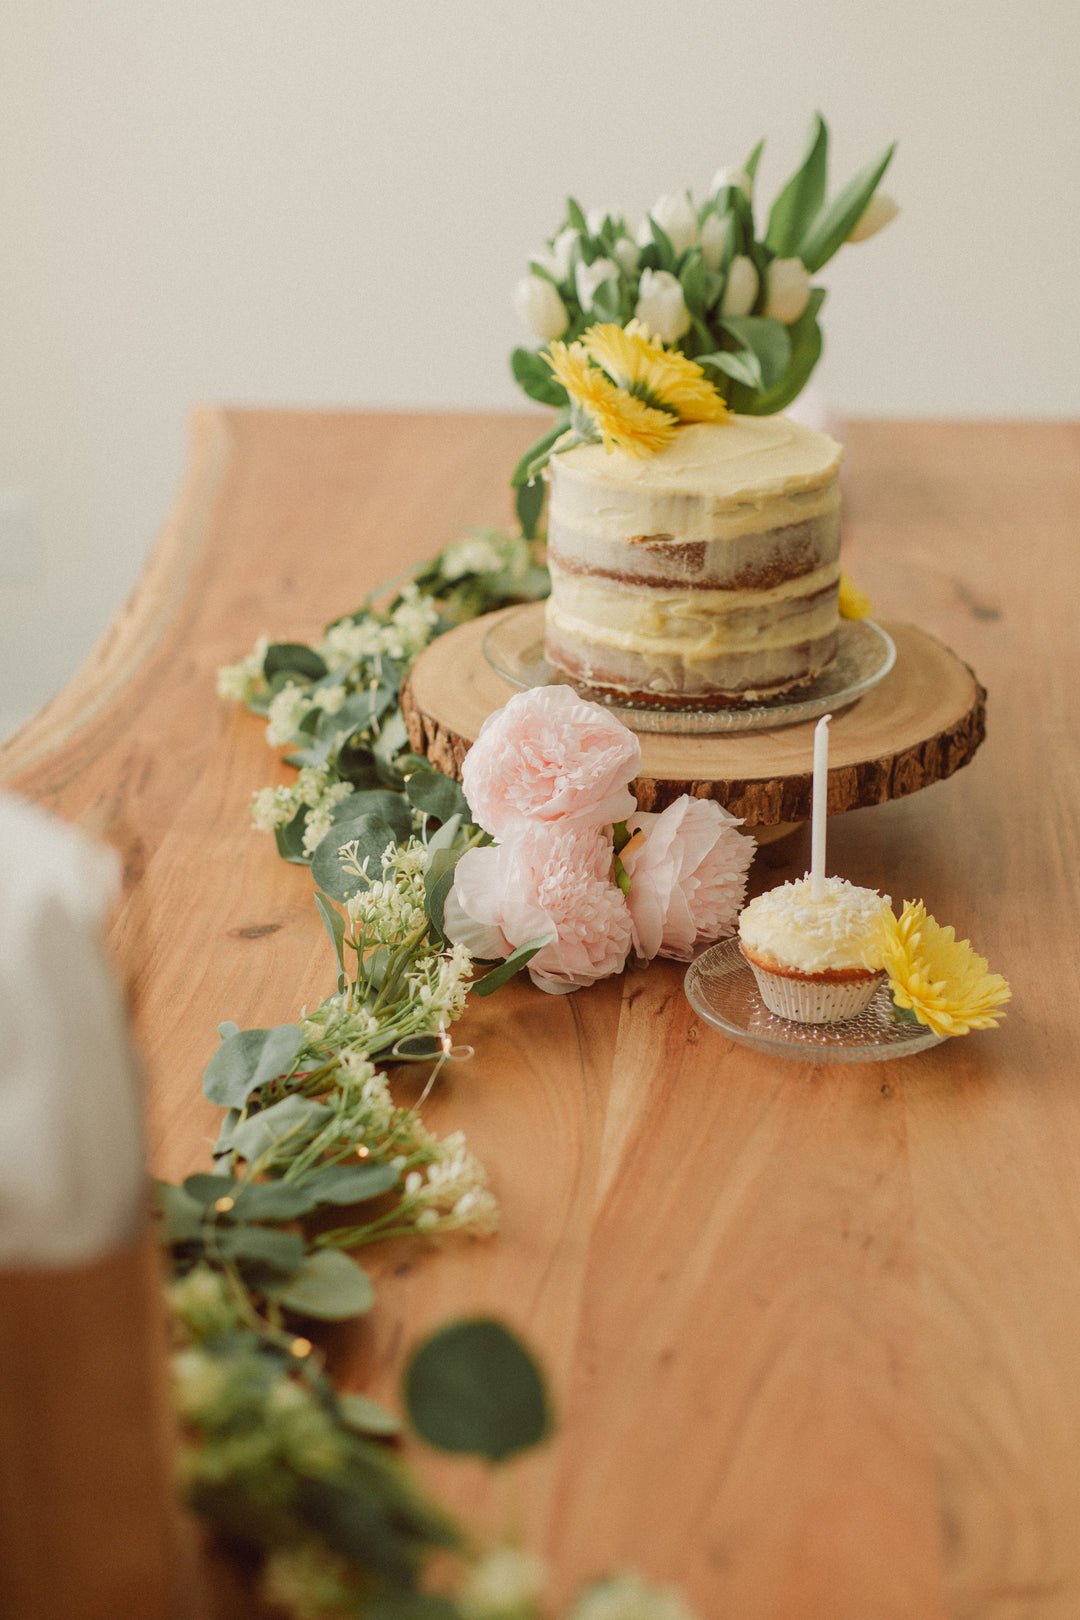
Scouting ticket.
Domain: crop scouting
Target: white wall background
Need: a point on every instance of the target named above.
(328, 202)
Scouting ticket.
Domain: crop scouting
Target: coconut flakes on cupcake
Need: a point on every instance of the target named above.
(815, 961)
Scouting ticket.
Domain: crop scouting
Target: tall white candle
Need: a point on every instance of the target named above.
(819, 810)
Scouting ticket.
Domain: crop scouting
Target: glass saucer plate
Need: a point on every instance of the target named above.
(721, 988)
(514, 647)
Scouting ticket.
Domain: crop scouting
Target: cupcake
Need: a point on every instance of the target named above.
(815, 961)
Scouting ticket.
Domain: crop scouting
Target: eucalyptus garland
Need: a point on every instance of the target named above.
(315, 1160)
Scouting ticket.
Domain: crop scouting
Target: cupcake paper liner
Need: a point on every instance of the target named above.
(814, 1001)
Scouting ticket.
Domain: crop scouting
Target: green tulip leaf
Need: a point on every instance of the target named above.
(836, 222)
(799, 204)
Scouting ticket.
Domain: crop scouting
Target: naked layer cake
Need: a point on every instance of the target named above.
(703, 575)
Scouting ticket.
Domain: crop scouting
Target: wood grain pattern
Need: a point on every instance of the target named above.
(812, 1332)
(920, 724)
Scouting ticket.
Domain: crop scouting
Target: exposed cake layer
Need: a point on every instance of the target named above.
(672, 643)
(705, 573)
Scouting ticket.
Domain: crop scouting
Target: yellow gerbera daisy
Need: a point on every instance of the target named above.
(622, 420)
(853, 604)
(940, 978)
(664, 377)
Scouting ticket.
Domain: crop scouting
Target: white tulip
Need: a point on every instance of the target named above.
(628, 253)
(594, 219)
(731, 177)
(714, 236)
(540, 308)
(588, 277)
(677, 218)
(662, 307)
(556, 259)
(742, 287)
(875, 216)
(787, 289)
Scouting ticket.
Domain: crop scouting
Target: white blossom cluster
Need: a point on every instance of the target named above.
(451, 1193)
(402, 635)
(277, 806)
(239, 683)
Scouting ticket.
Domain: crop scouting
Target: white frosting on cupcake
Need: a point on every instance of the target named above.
(805, 936)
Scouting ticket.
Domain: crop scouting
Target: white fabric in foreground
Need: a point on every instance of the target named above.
(71, 1155)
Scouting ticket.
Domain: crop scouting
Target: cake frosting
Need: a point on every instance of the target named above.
(833, 935)
(706, 572)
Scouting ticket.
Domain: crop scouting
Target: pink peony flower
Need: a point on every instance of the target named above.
(687, 871)
(547, 880)
(549, 756)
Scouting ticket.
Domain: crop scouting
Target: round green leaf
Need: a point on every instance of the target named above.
(328, 1285)
(473, 1387)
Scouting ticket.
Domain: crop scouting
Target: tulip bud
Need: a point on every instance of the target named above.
(677, 218)
(731, 177)
(594, 219)
(628, 253)
(556, 259)
(590, 276)
(662, 307)
(540, 308)
(787, 289)
(742, 287)
(714, 239)
(875, 216)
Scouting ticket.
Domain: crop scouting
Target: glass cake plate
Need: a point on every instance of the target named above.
(721, 988)
(514, 647)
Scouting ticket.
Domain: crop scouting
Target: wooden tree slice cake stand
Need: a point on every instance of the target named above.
(923, 720)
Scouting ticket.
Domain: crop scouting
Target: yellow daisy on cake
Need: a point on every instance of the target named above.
(937, 976)
(662, 377)
(635, 392)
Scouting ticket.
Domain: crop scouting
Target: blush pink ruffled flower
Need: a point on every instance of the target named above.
(547, 881)
(549, 756)
(687, 871)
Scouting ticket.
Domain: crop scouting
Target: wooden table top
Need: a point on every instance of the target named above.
(813, 1332)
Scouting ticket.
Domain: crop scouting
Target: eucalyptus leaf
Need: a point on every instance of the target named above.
(334, 923)
(372, 835)
(384, 802)
(437, 888)
(273, 1200)
(513, 964)
(284, 1251)
(365, 1416)
(473, 1387)
(206, 1190)
(836, 222)
(440, 843)
(248, 1059)
(393, 737)
(329, 1285)
(799, 204)
(437, 795)
(182, 1215)
(253, 1138)
(290, 839)
(341, 1184)
(293, 658)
